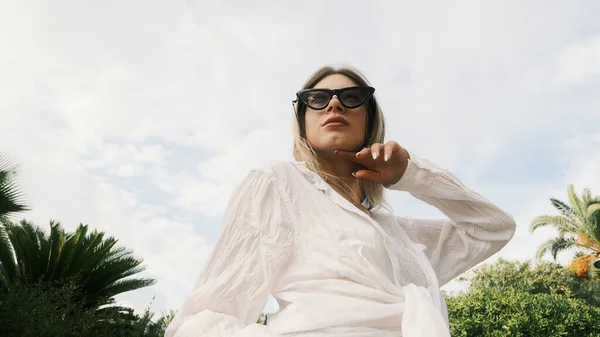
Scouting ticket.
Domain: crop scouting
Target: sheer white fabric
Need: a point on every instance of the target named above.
(334, 270)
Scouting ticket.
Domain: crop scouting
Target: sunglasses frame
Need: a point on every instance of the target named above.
(335, 92)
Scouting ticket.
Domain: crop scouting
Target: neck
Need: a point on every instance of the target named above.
(333, 165)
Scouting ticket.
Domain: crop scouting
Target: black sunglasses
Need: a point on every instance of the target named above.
(318, 99)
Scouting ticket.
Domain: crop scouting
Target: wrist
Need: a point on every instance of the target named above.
(409, 170)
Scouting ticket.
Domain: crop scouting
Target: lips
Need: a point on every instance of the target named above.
(336, 119)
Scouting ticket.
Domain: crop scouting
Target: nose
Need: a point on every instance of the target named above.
(335, 104)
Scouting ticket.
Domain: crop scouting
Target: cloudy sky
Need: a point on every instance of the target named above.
(139, 117)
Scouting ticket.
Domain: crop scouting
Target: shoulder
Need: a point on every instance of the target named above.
(264, 180)
(288, 178)
(280, 175)
(279, 171)
(275, 178)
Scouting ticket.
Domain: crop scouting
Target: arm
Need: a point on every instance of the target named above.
(474, 230)
(254, 244)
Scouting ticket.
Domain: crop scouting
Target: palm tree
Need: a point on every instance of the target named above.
(10, 197)
(88, 260)
(263, 318)
(578, 227)
(166, 318)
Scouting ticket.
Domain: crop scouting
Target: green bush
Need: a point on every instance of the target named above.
(516, 298)
(493, 313)
(42, 309)
(542, 278)
(57, 310)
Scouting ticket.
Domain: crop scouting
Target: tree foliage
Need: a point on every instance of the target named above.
(43, 309)
(512, 298)
(53, 309)
(93, 262)
(11, 198)
(495, 313)
(578, 227)
(65, 282)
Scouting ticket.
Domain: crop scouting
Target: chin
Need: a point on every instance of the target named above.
(339, 144)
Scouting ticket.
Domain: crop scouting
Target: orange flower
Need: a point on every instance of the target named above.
(581, 265)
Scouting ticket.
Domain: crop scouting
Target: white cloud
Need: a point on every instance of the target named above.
(579, 62)
(575, 65)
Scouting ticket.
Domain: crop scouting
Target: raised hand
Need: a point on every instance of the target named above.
(383, 163)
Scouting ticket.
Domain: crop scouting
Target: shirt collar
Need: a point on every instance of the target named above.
(323, 186)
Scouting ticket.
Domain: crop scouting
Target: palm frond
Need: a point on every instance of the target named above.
(586, 196)
(25, 239)
(11, 198)
(111, 271)
(56, 242)
(593, 208)
(123, 286)
(9, 270)
(68, 250)
(99, 268)
(166, 319)
(555, 246)
(559, 222)
(564, 209)
(543, 249)
(580, 254)
(576, 203)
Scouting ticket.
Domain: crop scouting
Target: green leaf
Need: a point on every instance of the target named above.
(11, 198)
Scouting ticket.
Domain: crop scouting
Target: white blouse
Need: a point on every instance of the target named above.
(334, 270)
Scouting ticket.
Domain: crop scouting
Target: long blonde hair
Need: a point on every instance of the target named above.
(371, 192)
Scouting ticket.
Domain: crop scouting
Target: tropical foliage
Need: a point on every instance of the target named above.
(578, 226)
(85, 258)
(512, 298)
(11, 199)
(493, 313)
(263, 318)
(533, 278)
(55, 309)
(67, 282)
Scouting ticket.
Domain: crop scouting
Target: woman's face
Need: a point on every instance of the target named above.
(346, 134)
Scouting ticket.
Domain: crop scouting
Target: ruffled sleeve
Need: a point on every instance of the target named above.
(474, 230)
(253, 247)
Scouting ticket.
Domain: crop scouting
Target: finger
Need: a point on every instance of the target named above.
(364, 153)
(376, 150)
(368, 175)
(389, 149)
(348, 155)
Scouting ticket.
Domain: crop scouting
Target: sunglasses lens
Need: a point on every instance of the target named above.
(351, 98)
(354, 97)
(316, 99)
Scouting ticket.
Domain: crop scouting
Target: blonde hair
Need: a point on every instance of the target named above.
(371, 192)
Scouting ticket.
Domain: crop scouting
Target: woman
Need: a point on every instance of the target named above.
(315, 234)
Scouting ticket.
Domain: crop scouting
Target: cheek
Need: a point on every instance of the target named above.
(360, 121)
(311, 122)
